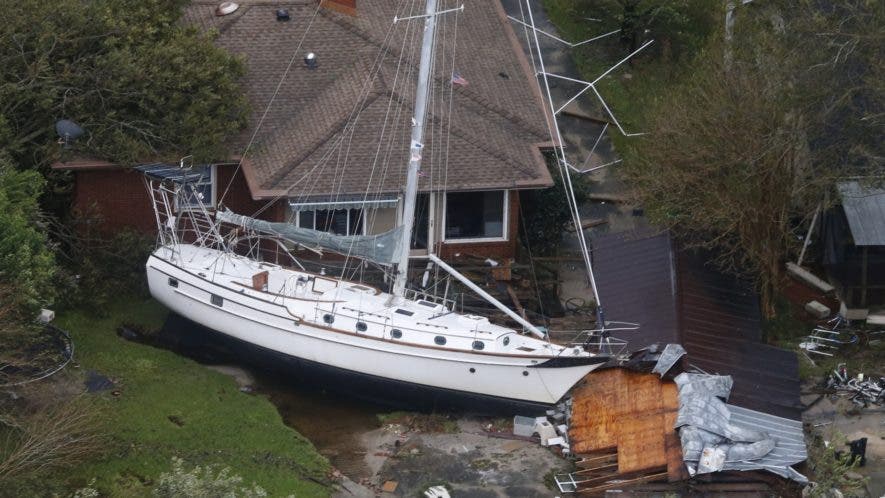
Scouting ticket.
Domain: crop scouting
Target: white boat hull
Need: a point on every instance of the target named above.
(271, 327)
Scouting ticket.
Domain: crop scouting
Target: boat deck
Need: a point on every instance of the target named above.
(358, 308)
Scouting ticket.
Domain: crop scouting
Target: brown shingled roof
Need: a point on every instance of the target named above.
(310, 144)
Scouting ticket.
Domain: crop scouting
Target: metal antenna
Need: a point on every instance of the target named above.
(559, 147)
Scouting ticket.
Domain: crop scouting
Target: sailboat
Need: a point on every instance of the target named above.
(404, 343)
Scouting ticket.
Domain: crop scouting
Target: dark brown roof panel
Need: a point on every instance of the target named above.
(677, 296)
(495, 123)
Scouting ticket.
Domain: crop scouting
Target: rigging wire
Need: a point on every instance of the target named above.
(356, 111)
(272, 97)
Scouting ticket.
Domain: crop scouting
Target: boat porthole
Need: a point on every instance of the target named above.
(525, 373)
(396, 333)
(216, 300)
(173, 282)
(478, 345)
(472, 370)
(439, 340)
(361, 326)
(506, 341)
(328, 318)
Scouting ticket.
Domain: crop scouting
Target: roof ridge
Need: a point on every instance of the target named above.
(343, 21)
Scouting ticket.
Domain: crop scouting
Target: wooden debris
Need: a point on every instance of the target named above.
(516, 303)
(616, 198)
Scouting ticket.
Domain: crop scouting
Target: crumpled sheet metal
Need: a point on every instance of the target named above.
(668, 358)
(712, 385)
(717, 436)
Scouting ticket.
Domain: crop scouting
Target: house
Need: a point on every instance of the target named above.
(332, 147)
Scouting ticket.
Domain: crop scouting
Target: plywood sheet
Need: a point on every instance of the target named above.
(631, 411)
(641, 444)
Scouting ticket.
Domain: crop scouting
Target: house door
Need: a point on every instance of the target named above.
(422, 235)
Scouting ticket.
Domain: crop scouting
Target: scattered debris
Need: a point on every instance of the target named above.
(46, 316)
(437, 492)
(809, 278)
(716, 436)
(671, 354)
(96, 382)
(389, 486)
(860, 390)
(817, 310)
(828, 341)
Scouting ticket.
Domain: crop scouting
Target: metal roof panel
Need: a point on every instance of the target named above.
(865, 209)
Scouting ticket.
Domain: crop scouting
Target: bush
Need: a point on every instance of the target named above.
(831, 468)
(60, 435)
(101, 268)
(203, 482)
(546, 213)
(27, 264)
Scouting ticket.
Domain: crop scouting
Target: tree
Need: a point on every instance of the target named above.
(742, 150)
(141, 83)
(27, 264)
(546, 213)
(678, 26)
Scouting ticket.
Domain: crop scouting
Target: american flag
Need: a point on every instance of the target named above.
(457, 79)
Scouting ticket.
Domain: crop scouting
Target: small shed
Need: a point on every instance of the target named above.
(853, 245)
(678, 296)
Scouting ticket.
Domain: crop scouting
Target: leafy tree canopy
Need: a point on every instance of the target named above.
(141, 83)
(762, 127)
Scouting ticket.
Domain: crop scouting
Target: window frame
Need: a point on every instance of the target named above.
(296, 215)
(210, 206)
(505, 232)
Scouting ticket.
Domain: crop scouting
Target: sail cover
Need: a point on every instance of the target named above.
(383, 248)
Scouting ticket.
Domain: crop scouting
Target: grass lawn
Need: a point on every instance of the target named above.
(171, 406)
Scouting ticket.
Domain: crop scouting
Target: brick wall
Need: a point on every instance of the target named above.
(120, 198)
(117, 196)
(239, 199)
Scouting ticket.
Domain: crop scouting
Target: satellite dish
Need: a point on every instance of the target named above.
(67, 129)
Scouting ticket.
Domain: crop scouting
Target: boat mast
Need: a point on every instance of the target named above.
(415, 151)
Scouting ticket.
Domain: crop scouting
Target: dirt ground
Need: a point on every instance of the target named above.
(833, 420)
(466, 461)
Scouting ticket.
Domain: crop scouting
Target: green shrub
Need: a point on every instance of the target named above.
(546, 213)
(27, 264)
(203, 482)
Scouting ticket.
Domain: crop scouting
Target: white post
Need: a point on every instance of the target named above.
(415, 152)
(808, 236)
(488, 297)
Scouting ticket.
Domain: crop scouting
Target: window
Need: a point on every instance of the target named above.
(478, 345)
(202, 191)
(396, 333)
(361, 326)
(216, 300)
(337, 221)
(440, 340)
(173, 282)
(401, 311)
(328, 318)
(476, 215)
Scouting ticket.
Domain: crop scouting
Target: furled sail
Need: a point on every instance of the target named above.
(383, 248)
